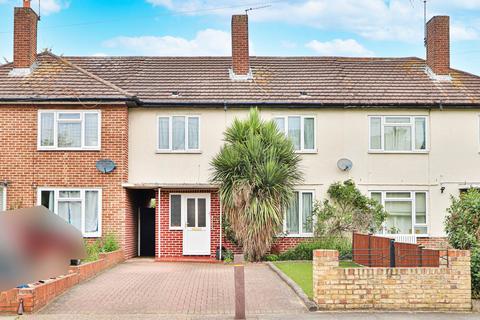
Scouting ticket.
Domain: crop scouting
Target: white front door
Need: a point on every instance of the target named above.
(196, 232)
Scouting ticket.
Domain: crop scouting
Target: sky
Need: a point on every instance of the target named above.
(380, 28)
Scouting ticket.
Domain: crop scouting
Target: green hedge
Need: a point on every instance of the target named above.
(304, 250)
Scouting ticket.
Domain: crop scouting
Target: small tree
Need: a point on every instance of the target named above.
(463, 229)
(256, 170)
(347, 210)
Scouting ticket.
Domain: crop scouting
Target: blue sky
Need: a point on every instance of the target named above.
(291, 27)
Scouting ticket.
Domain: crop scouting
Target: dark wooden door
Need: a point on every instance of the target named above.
(147, 232)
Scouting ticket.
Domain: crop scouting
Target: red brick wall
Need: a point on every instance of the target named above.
(171, 241)
(434, 242)
(26, 169)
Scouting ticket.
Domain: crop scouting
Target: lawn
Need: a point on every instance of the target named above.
(302, 272)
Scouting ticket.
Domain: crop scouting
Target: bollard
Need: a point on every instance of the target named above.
(239, 275)
(20, 307)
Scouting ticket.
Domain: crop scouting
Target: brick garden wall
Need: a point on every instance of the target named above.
(446, 288)
(25, 169)
(434, 243)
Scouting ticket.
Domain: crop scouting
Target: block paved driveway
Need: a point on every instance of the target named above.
(144, 287)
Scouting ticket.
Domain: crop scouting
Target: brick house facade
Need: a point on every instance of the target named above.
(139, 100)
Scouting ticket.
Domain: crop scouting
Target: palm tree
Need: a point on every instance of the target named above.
(256, 170)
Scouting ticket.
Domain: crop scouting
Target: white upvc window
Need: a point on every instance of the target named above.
(178, 134)
(69, 130)
(298, 216)
(300, 129)
(398, 133)
(3, 198)
(407, 212)
(82, 208)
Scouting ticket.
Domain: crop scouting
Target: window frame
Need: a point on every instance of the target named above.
(302, 130)
(4, 198)
(300, 233)
(412, 198)
(82, 191)
(183, 209)
(170, 134)
(56, 121)
(411, 124)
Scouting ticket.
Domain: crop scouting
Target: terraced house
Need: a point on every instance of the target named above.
(408, 130)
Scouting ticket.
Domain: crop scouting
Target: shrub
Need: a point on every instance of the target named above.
(463, 229)
(304, 250)
(475, 270)
(271, 257)
(110, 243)
(347, 210)
(93, 250)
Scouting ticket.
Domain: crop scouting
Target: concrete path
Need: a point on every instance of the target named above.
(142, 287)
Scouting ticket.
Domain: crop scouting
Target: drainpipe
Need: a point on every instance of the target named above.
(220, 202)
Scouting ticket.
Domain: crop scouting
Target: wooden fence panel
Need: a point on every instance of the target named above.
(374, 251)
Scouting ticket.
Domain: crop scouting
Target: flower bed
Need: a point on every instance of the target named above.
(40, 294)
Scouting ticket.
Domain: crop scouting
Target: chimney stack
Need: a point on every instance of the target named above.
(24, 36)
(438, 45)
(240, 50)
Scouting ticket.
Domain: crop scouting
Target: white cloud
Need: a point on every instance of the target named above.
(398, 20)
(207, 42)
(288, 44)
(339, 47)
(47, 6)
(99, 54)
(460, 32)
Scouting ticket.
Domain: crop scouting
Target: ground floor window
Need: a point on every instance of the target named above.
(79, 207)
(3, 198)
(298, 216)
(407, 211)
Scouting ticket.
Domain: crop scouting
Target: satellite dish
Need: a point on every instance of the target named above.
(105, 165)
(344, 164)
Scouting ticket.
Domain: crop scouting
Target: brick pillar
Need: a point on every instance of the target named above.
(459, 263)
(324, 264)
(438, 44)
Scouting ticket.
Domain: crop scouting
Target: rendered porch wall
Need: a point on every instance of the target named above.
(447, 288)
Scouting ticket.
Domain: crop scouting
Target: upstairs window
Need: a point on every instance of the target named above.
(79, 207)
(398, 133)
(69, 130)
(178, 134)
(300, 129)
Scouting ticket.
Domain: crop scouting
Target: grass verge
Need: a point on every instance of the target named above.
(302, 272)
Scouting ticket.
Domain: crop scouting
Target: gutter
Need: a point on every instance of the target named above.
(312, 105)
(131, 102)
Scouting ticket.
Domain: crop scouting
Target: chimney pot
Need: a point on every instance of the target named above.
(24, 36)
(438, 45)
(240, 50)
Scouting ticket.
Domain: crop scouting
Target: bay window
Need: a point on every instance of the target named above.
(298, 216)
(79, 207)
(398, 133)
(300, 130)
(407, 211)
(69, 130)
(178, 133)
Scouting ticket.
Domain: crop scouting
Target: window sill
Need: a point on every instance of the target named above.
(398, 152)
(303, 235)
(178, 152)
(306, 151)
(69, 149)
